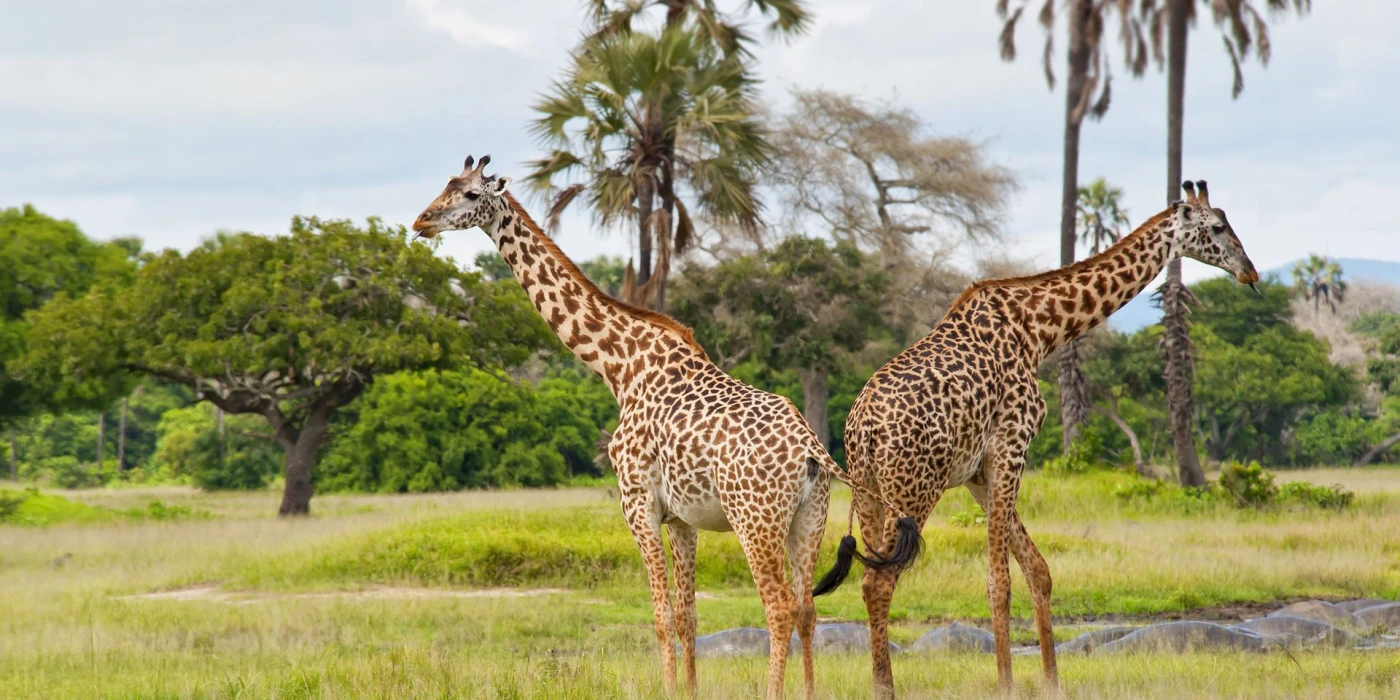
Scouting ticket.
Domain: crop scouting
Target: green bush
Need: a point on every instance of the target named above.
(1083, 455)
(1332, 437)
(1329, 497)
(1249, 485)
(188, 447)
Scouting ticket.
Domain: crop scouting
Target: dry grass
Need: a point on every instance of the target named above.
(66, 631)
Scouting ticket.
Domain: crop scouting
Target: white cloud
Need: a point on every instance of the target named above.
(446, 17)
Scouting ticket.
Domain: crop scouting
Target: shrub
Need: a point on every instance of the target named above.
(1329, 497)
(968, 518)
(1249, 485)
(1082, 457)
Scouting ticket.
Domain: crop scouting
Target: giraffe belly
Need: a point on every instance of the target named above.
(695, 503)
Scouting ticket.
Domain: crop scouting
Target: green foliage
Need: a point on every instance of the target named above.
(188, 449)
(41, 258)
(1375, 324)
(1082, 456)
(33, 508)
(415, 432)
(1319, 279)
(1250, 485)
(1334, 437)
(1235, 313)
(1327, 497)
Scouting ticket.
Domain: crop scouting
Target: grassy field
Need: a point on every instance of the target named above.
(541, 594)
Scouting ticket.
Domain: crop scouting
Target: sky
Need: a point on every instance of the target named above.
(174, 119)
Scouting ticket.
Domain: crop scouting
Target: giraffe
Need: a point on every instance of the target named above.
(961, 405)
(694, 449)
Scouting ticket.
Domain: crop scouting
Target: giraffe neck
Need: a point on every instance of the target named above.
(1063, 304)
(604, 333)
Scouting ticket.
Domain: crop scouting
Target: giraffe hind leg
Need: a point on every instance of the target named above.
(803, 546)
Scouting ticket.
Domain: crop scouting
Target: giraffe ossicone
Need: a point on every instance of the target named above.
(960, 407)
(693, 449)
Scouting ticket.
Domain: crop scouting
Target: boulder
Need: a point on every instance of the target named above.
(1352, 606)
(840, 638)
(955, 638)
(1319, 610)
(1088, 641)
(743, 641)
(1186, 636)
(1300, 631)
(1385, 617)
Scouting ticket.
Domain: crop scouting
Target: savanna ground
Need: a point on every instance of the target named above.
(541, 594)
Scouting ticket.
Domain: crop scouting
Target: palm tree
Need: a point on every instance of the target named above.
(1243, 29)
(1101, 215)
(641, 119)
(1087, 93)
(1317, 279)
(722, 31)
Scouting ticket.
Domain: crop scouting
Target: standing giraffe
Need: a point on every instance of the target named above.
(960, 407)
(694, 448)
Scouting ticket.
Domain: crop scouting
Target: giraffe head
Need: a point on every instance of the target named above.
(470, 199)
(1205, 235)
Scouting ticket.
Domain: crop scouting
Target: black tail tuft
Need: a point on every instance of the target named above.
(833, 578)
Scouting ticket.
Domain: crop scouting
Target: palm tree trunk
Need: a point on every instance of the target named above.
(121, 438)
(1177, 336)
(815, 391)
(644, 202)
(1361, 461)
(1074, 405)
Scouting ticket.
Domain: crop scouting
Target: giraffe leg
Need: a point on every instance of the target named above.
(683, 561)
(803, 545)
(1037, 574)
(877, 588)
(646, 529)
(764, 549)
(999, 582)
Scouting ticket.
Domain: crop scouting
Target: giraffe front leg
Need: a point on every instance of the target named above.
(645, 524)
(683, 546)
(1037, 574)
(999, 576)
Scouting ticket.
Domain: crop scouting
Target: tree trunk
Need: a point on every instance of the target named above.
(814, 396)
(14, 458)
(668, 205)
(644, 202)
(300, 448)
(1073, 388)
(121, 438)
(101, 438)
(1360, 462)
(1138, 463)
(223, 435)
(1174, 295)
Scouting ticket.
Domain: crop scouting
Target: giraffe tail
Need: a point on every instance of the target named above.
(907, 545)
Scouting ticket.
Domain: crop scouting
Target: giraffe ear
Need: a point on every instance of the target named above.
(497, 186)
(1185, 212)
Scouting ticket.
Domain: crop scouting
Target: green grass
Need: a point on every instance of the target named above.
(369, 598)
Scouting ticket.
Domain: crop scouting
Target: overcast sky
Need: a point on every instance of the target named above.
(173, 119)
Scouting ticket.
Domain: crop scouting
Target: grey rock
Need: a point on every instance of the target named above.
(840, 638)
(1300, 631)
(1352, 606)
(1319, 610)
(956, 638)
(1379, 617)
(743, 641)
(1186, 636)
(1088, 641)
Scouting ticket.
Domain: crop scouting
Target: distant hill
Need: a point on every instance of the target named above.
(1140, 312)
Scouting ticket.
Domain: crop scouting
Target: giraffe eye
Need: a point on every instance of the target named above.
(473, 196)
(1218, 228)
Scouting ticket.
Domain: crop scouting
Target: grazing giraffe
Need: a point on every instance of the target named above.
(960, 406)
(694, 448)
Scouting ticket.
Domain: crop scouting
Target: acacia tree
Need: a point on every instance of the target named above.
(1102, 217)
(1317, 279)
(871, 176)
(639, 120)
(1087, 93)
(799, 305)
(288, 328)
(1243, 29)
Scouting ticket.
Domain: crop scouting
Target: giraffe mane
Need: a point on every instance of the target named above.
(654, 317)
(1065, 271)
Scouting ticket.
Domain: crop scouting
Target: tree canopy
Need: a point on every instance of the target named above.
(290, 328)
